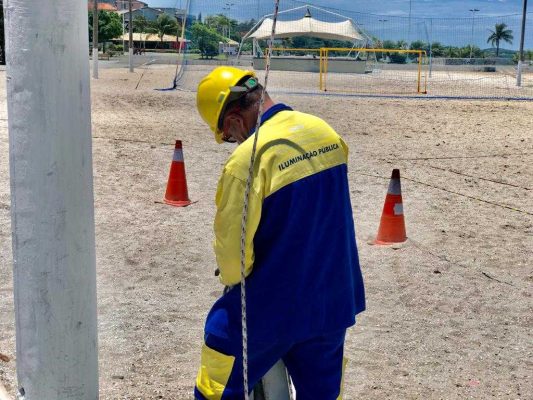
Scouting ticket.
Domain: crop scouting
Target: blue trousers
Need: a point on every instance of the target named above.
(315, 366)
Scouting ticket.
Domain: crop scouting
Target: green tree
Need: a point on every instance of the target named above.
(109, 26)
(377, 43)
(223, 25)
(216, 22)
(464, 52)
(528, 56)
(401, 44)
(451, 52)
(398, 58)
(163, 25)
(140, 25)
(244, 27)
(206, 39)
(389, 44)
(437, 49)
(419, 45)
(500, 33)
(304, 42)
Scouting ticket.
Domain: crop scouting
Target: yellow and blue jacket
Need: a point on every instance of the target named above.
(302, 267)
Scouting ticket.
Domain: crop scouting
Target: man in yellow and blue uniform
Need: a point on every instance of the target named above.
(304, 285)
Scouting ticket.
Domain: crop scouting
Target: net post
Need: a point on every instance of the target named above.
(419, 70)
(320, 69)
(326, 61)
(426, 73)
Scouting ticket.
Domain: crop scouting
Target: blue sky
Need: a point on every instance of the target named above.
(447, 21)
(426, 8)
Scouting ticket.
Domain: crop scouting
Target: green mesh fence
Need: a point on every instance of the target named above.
(461, 60)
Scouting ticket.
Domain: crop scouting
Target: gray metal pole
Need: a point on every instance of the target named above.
(183, 24)
(130, 29)
(95, 39)
(522, 38)
(430, 47)
(472, 38)
(52, 211)
(123, 33)
(410, 13)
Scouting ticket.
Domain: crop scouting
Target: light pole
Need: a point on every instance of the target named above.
(383, 28)
(521, 57)
(52, 207)
(430, 47)
(410, 14)
(95, 39)
(130, 29)
(227, 8)
(183, 23)
(121, 5)
(123, 33)
(474, 11)
(382, 37)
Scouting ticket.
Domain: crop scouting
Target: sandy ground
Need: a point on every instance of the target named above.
(449, 313)
(390, 81)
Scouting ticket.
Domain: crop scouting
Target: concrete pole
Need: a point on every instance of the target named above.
(130, 29)
(123, 33)
(522, 38)
(95, 39)
(50, 155)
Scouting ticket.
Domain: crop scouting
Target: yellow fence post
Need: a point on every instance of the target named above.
(419, 70)
(320, 67)
(324, 62)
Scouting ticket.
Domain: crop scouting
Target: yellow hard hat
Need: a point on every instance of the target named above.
(214, 92)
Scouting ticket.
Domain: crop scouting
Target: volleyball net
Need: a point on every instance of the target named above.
(319, 49)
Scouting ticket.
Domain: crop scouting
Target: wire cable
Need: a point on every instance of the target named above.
(244, 220)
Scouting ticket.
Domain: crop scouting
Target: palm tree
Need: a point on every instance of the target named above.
(163, 25)
(401, 44)
(140, 23)
(499, 33)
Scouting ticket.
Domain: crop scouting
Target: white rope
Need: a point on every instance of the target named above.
(249, 181)
(177, 75)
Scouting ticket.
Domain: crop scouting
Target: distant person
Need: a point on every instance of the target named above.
(304, 285)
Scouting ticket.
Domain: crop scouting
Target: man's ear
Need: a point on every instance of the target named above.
(233, 121)
(235, 128)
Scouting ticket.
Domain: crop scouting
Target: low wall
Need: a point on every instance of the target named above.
(311, 65)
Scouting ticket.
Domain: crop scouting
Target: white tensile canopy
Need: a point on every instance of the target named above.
(308, 26)
(346, 29)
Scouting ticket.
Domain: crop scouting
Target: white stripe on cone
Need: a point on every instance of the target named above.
(178, 155)
(398, 209)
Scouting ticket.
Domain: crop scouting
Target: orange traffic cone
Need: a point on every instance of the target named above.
(177, 194)
(392, 225)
